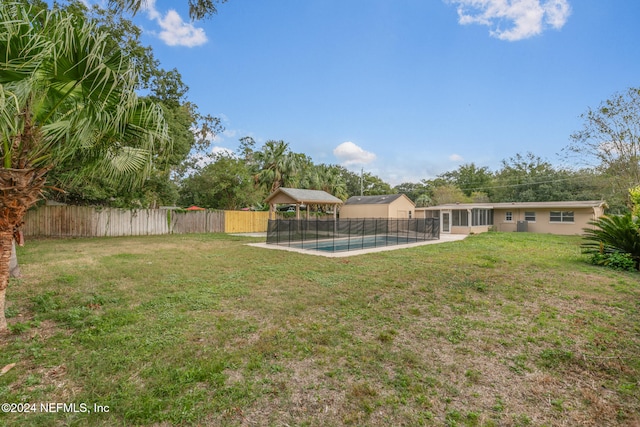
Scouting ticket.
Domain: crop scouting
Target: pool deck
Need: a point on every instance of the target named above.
(444, 238)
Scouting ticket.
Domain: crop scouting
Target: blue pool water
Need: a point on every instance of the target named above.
(354, 243)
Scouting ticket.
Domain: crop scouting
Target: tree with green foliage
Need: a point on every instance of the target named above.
(66, 94)
(274, 165)
(528, 178)
(190, 131)
(198, 9)
(448, 193)
(418, 193)
(423, 200)
(226, 183)
(277, 166)
(634, 196)
(327, 178)
(351, 181)
(374, 185)
(471, 179)
(524, 178)
(610, 142)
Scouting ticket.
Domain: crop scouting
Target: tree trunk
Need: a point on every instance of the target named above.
(14, 267)
(19, 190)
(6, 240)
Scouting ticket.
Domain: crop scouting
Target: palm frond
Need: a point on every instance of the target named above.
(611, 234)
(9, 107)
(24, 48)
(61, 75)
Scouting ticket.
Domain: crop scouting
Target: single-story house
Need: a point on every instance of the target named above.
(537, 217)
(300, 197)
(385, 206)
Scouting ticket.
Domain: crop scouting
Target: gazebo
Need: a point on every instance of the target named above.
(298, 197)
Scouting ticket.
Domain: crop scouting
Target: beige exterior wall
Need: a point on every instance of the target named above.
(364, 211)
(470, 230)
(542, 224)
(399, 208)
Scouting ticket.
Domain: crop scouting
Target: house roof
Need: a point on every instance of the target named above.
(522, 205)
(373, 200)
(298, 195)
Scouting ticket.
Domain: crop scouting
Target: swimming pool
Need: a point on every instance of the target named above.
(351, 234)
(353, 243)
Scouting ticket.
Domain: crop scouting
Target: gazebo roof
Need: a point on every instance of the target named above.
(300, 196)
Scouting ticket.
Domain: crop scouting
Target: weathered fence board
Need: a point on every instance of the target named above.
(61, 221)
(138, 222)
(86, 221)
(197, 222)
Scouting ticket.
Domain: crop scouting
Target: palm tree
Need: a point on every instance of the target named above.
(328, 179)
(198, 9)
(277, 165)
(614, 234)
(66, 93)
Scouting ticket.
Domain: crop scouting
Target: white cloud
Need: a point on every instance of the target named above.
(230, 133)
(149, 6)
(175, 32)
(513, 20)
(557, 12)
(456, 158)
(350, 154)
(203, 159)
(223, 151)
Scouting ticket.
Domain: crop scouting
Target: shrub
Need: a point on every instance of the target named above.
(617, 261)
(614, 235)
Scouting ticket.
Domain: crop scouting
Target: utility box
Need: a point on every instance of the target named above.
(523, 226)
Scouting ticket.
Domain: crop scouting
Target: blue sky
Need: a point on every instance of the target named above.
(406, 89)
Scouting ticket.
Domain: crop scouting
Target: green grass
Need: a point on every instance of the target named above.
(498, 329)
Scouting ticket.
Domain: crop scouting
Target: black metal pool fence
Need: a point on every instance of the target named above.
(351, 234)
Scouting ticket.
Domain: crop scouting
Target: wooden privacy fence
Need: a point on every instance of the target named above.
(86, 221)
(208, 221)
(241, 221)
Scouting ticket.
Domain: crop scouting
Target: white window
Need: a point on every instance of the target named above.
(508, 216)
(558, 216)
(530, 216)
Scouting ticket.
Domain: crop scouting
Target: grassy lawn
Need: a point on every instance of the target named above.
(496, 330)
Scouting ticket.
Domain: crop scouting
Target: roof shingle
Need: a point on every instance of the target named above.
(306, 196)
(372, 200)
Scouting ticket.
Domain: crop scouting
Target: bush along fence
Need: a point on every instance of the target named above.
(87, 221)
